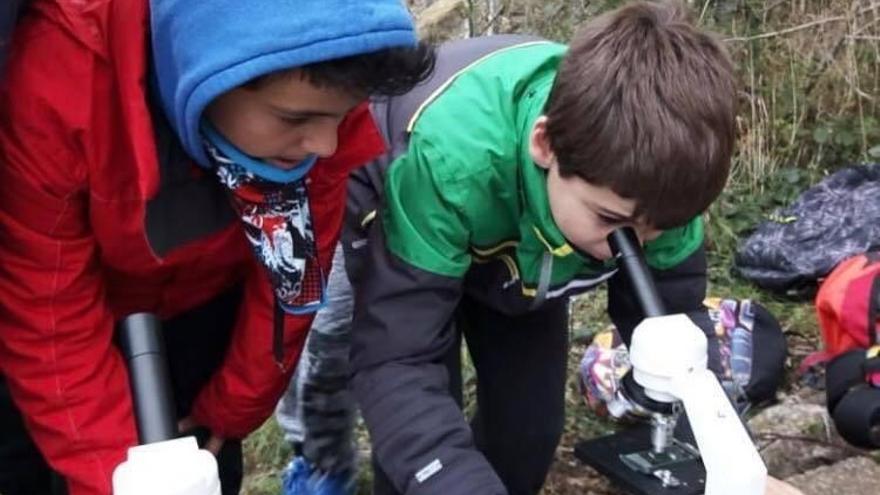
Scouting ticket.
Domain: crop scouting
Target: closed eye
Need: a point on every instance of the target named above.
(294, 120)
(610, 220)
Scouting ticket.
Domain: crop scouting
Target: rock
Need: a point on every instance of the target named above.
(794, 437)
(443, 20)
(792, 417)
(853, 476)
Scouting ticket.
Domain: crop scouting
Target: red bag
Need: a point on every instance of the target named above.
(848, 305)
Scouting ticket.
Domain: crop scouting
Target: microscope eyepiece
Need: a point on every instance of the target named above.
(631, 261)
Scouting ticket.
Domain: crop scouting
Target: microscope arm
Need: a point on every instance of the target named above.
(720, 436)
(668, 356)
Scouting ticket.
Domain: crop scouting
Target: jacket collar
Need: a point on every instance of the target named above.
(537, 216)
(533, 179)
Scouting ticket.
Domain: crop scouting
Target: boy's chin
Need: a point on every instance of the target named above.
(595, 253)
(603, 257)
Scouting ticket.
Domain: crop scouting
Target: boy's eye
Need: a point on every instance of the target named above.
(608, 220)
(294, 120)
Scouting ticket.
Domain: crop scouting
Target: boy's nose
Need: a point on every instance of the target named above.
(321, 141)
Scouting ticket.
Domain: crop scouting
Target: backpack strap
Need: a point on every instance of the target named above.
(843, 373)
(852, 402)
(857, 417)
(815, 358)
(874, 309)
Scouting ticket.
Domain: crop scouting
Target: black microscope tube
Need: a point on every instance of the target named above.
(626, 248)
(144, 351)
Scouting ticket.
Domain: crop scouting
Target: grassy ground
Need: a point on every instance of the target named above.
(810, 72)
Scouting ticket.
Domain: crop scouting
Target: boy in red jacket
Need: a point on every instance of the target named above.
(187, 159)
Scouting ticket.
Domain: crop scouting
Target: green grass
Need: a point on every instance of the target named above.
(265, 455)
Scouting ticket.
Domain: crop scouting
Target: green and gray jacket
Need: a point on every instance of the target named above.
(458, 207)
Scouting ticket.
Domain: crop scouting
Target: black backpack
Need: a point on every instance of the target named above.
(9, 11)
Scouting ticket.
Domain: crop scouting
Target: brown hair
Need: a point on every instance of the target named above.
(645, 103)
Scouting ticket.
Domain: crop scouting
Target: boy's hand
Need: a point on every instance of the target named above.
(212, 445)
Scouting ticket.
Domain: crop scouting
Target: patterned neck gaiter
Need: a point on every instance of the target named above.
(277, 222)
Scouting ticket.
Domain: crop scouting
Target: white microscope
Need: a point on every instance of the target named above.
(669, 376)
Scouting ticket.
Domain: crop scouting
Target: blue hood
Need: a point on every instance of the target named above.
(203, 48)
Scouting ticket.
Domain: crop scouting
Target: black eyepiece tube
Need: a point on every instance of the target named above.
(631, 261)
(144, 351)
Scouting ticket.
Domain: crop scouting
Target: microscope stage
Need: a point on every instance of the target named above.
(680, 466)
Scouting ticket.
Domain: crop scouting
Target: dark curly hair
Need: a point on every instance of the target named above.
(388, 72)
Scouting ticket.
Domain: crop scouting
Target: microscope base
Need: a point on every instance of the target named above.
(604, 454)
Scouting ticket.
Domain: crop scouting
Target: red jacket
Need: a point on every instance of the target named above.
(78, 167)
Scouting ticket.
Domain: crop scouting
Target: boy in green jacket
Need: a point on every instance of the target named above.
(507, 172)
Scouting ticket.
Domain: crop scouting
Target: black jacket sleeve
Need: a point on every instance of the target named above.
(402, 333)
(9, 11)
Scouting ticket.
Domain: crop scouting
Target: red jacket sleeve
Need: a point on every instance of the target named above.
(244, 392)
(55, 326)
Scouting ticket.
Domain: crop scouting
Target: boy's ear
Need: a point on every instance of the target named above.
(539, 144)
